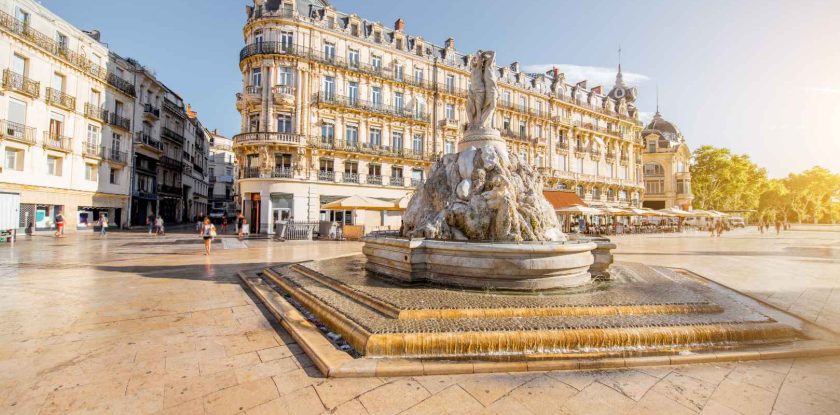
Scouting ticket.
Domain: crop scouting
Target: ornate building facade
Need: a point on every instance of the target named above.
(222, 173)
(333, 105)
(666, 161)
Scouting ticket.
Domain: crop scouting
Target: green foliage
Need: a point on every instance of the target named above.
(724, 181)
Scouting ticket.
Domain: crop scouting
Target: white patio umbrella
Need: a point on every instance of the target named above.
(675, 211)
(359, 202)
(579, 210)
(614, 211)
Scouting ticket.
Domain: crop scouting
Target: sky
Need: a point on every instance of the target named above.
(757, 77)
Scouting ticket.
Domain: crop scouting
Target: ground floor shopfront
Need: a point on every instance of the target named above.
(264, 202)
(81, 210)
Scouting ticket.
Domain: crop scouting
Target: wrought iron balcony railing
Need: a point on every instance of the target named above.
(95, 112)
(170, 162)
(366, 148)
(60, 99)
(350, 177)
(121, 85)
(119, 121)
(19, 83)
(151, 110)
(115, 155)
(326, 175)
(57, 142)
(93, 150)
(17, 132)
(369, 106)
(282, 172)
(171, 134)
(146, 139)
(51, 46)
(169, 189)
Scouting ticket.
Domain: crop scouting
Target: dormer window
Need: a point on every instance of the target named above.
(419, 49)
(354, 29)
(399, 44)
(377, 36)
(330, 22)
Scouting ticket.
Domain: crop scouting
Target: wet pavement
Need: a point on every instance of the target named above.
(134, 324)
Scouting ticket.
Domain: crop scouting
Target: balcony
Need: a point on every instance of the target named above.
(416, 182)
(21, 84)
(173, 108)
(171, 163)
(147, 140)
(396, 181)
(50, 46)
(595, 155)
(267, 137)
(326, 176)
(251, 173)
(121, 85)
(366, 148)
(597, 128)
(623, 159)
(57, 142)
(374, 179)
(452, 90)
(59, 99)
(563, 146)
(93, 150)
(17, 132)
(170, 134)
(580, 152)
(115, 155)
(271, 48)
(253, 90)
(95, 112)
(282, 172)
(169, 189)
(350, 178)
(520, 136)
(562, 119)
(118, 121)
(283, 94)
(151, 111)
(610, 156)
(450, 123)
(377, 108)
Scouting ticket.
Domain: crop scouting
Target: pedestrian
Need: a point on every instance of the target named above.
(767, 226)
(244, 229)
(778, 226)
(224, 224)
(159, 226)
(150, 222)
(207, 232)
(713, 227)
(761, 226)
(59, 224)
(198, 223)
(103, 225)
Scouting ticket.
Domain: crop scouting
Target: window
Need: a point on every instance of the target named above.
(396, 175)
(538, 131)
(449, 111)
(14, 159)
(54, 166)
(22, 16)
(330, 22)
(329, 51)
(286, 40)
(507, 98)
(683, 186)
(596, 193)
(376, 96)
(398, 72)
(327, 133)
(376, 62)
(92, 136)
(374, 170)
(450, 83)
(116, 142)
(326, 165)
(329, 87)
(114, 176)
(375, 137)
(651, 147)
(17, 118)
(95, 97)
(654, 169)
(351, 135)
(58, 82)
(351, 167)
(418, 75)
(256, 77)
(523, 129)
(399, 44)
(284, 123)
(19, 64)
(397, 140)
(254, 123)
(610, 170)
(61, 39)
(506, 124)
(579, 191)
(90, 172)
(353, 58)
(417, 144)
(655, 186)
(354, 29)
(561, 161)
(284, 76)
(377, 36)
(258, 37)
(353, 92)
(449, 146)
(56, 125)
(398, 101)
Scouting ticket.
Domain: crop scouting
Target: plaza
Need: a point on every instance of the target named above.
(133, 324)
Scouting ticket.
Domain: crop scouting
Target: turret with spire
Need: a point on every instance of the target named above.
(620, 89)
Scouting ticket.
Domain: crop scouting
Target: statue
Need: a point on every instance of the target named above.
(481, 101)
(480, 193)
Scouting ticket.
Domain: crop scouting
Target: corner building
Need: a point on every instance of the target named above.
(666, 161)
(333, 105)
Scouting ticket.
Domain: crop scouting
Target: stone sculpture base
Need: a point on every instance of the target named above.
(507, 266)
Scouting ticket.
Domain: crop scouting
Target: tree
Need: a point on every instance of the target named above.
(812, 192)
(775, 202)
(721, 180)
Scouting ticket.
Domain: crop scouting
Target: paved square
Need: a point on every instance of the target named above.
(123, 326)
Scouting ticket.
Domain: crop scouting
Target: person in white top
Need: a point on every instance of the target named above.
(103, 223)
(208, 231)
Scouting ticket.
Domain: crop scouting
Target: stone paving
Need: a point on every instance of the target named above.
(123, 326)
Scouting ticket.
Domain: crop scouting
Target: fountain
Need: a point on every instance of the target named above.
(481, 220)
(481, 279)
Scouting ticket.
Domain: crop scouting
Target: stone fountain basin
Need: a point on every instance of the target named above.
(525, 266)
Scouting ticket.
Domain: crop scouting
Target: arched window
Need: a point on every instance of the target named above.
(654, 169)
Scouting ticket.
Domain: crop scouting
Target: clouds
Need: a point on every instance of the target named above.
(595, 75)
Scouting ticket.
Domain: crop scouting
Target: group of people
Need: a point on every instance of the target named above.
(155, 224)
(779, 225)
(207, 230)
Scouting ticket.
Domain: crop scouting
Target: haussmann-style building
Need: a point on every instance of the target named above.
(666, 159)
(333, 105)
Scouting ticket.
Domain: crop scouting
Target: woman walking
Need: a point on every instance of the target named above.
(208, 231)
(59, 224)
(103, 225)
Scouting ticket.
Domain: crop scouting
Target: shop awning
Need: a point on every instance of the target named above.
(560, 199)
(359, 202)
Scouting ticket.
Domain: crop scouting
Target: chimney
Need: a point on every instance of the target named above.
(93, 33)
(597, 89)
(514, 67)
(450, 43)
(399, 25)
